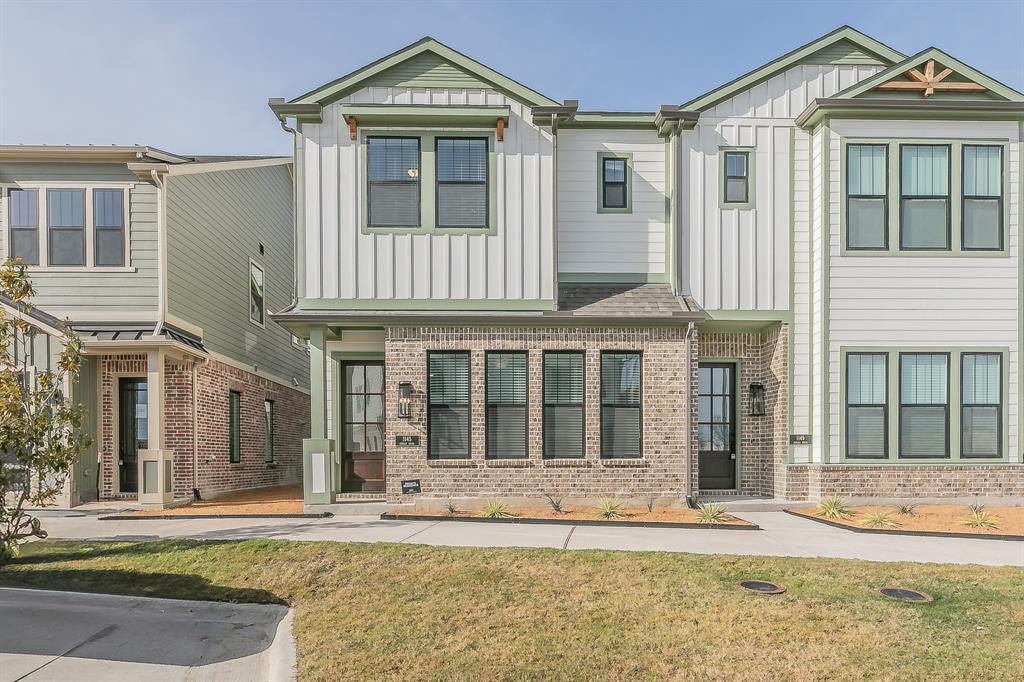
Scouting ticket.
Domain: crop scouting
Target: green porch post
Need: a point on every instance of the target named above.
(319, 481)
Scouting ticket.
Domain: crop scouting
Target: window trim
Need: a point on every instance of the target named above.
(847, 405)
(751, 153)
(545, 404)
(262, 324)
(234, 429)
(639, 406)
(488, 404)
(88, 244)
(268, 431)
(42, 227)
(884, 196)
(419, 178)
(486, 183)
(1000, 406)
(1000, 198)
(915, 197)
(96, 229)
(947, 454)
(627, 185)
(469, 405)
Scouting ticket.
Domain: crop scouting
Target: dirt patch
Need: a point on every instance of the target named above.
(661, 515)
(281, 499)
(936, 518)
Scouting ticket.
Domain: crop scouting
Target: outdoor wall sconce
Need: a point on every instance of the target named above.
(757, 407)
(404, 399)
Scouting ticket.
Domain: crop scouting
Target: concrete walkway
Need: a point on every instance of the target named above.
(60, 636)
(783, 535)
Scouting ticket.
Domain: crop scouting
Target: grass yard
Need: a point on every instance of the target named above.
(378, 611)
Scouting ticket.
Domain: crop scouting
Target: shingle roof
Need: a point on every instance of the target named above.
(623, 300)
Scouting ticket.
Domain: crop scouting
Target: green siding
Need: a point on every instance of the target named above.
(85, 394)
(426, 70)
(215, 224)
(843, 52)
(71, 172)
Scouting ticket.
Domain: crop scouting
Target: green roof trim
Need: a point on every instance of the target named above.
(868, 45)
(1001, 91)
(607, 119)
(340, 87)
(424, 114)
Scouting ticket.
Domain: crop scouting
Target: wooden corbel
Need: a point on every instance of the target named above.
(353, 124)
(928, 82)
(500, 130)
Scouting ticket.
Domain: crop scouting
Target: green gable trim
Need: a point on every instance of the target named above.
(910, 110)
(423, 304)
(363, 77)
(426, 70)
(843, 53)
(425, 114)
(884, 53)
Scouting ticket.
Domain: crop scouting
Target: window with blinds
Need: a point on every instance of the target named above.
(506, 382)
(65, 210)
(108, 223)
(563, 404)
(924, 405)
(448, 404)
(393, 181)
(620, 404)
(613, 182)
(23, 219)
(866, 405)
(924, 197)
(461, 181)
(981, 410)
(982, 208)
(866, 210)
(737, 190)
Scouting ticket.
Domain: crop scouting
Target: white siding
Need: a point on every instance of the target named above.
(801, 335)
(342, 262)
(589, 241)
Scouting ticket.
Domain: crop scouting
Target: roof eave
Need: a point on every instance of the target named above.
(906, 108)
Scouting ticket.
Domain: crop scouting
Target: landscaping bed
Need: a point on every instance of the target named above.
(282, 501)
(662, 517)
(942, 520)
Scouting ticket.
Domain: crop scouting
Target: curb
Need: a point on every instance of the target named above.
(909, 533)
(174, 517)
(389, 516)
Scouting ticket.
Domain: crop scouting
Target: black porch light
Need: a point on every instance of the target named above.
(757, 407)
(404, 399)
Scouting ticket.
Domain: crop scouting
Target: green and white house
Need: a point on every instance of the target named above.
(804, 282)
(167, 267)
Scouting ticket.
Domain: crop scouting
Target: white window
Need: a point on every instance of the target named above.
(257, 302)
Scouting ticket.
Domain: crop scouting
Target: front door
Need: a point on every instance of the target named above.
(716, 426)
(133, 431)
(362, 456)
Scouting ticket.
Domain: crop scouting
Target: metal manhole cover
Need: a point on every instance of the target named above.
(903, 594)
(761, 587)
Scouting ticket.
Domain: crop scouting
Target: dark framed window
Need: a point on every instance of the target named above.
(614, 182)
(268, 431)
(108, 224)
(924, 405)
(507, 395)
(65, 210)
(867, 224)
(867, 411)
(257, 299)
(563, 404)
(393, 181)
(736, 177)
(448, 408)
(461, 181)
(982, 205)
(924, 197)
(981, 405)
(23, 219)
(234, 427)
(621, 419)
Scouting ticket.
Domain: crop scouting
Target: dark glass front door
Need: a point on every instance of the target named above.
(716, 426)
(133, 431)
(362, 456)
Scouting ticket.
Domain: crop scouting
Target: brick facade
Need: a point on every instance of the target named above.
(210, 471)
(661, 472)
(815, 481)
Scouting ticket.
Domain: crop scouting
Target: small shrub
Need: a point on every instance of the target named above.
(834, 508)
(880, 519)
(977, 508)
(980, 518)
(451, 508)
(555, 503)
(907, 510)
(610, 509)
(496, 510)
(650, 504)
(712, 512)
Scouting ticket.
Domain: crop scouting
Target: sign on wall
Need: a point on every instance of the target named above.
(411, 487)
(799, 439)
(407, 440)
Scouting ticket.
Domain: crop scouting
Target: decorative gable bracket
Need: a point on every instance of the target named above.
(929, 81)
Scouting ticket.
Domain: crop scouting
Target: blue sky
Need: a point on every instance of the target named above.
(194, 77)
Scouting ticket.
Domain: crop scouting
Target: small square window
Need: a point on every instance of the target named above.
(736, 178)
(614, 183)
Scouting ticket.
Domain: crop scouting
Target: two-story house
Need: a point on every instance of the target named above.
(167, 267)
(801, 283)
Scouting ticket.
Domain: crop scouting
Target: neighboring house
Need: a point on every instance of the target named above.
(804, 282)
(167, 267)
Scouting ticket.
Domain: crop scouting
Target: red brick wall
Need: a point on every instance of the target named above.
(814, 481)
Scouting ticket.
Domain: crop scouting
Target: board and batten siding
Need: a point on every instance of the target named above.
(589, 241)
(341, 262)
(108, 296)
(738, 259)
(216, 222)
(800, 338)
(941, 302)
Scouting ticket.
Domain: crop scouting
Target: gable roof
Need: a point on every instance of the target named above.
(896, 71)
(431, 56)
(844, 44)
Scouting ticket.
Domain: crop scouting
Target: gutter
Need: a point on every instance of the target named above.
(161, 231)
(672, 118)
(903, 108)
(281, 111)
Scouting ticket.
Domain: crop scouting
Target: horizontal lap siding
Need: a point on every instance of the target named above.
(342, 262)
(589, 241)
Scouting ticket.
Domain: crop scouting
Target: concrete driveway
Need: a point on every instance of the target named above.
(62, 636)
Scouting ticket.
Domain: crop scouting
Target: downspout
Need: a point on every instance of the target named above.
(554, 211)
(282, 120)
(691, 333)
(161, 230)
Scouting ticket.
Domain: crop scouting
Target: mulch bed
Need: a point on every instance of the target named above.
(659, 518)
(928, 521)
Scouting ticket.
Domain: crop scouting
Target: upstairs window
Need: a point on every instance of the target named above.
(563, 404)
(23, 216)
(257, 301)
(924, 197)
(736, 181)
(981, 379)
(614, 183)
(393, 181)
(866, 405)
(506, 404)
(924, 405)
(621, 424)
(108, 218)
(982, 228)
(461, 166)
(448, 404)
(866, 206)
(66, 219)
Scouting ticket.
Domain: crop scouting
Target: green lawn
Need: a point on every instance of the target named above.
(412, 612)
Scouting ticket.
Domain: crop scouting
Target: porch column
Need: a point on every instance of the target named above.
(319, 480)
(155, 463)
(318, 382)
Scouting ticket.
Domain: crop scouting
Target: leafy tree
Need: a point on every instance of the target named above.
(40, 428)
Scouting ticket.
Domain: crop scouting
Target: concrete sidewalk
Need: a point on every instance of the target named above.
(782, 535)
(51, 635)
